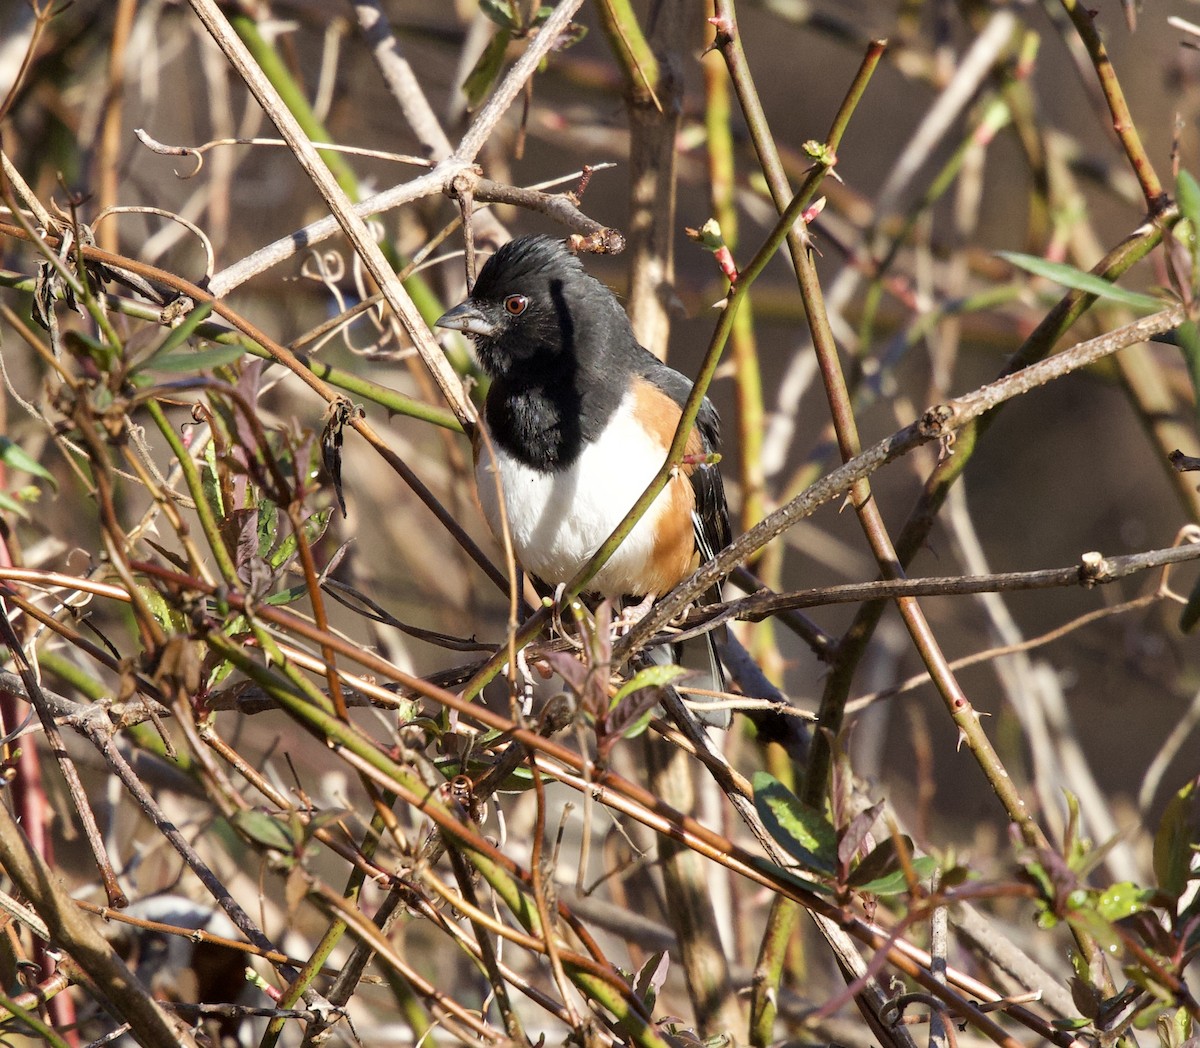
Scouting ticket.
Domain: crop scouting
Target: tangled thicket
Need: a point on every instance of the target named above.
(288, 755)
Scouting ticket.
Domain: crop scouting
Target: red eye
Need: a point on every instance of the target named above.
(515, 305)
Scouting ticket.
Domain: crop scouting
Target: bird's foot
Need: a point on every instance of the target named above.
(633, 614)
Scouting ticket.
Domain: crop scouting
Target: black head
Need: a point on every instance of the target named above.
(534, 311)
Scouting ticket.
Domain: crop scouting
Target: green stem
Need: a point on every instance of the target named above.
(191, 477)
(782, 920)
(31, 1019)
(629, 45)
(1083, 20)
(277, 72)
(723, 178)
(347, 381)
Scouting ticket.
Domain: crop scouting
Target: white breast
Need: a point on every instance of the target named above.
(559, 520)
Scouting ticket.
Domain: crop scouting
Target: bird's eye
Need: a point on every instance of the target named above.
(515, 305)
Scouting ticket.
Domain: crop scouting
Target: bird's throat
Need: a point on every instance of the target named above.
(538, 426)
(546, 425)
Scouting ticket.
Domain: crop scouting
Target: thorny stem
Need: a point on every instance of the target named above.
(728, 42)
(748, 386)
(1024, 362)
(1093, 570)
(940, 422)
(833, 702)
(645, 807)
(1123, 124)
(312, 379)
(854, 643)
(790, 215)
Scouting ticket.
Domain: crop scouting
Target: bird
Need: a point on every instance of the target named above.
(579, 419)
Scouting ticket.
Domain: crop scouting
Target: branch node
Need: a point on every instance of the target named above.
(934, 422)
(605, 241)
(1093, 569)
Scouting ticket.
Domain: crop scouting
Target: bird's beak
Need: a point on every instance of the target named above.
(468, 318)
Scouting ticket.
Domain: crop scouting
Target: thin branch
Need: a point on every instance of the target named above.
(78, 936)
(937, 423)
(1084, 22)
(197, 152)
(1092, 570)
(437, 181)
(351, 223)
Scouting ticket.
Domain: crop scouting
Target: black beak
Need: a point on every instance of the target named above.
(468, 318)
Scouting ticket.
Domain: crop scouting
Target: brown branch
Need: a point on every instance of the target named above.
(1123, 124)
(937, 423)
(78, 936)
(75, 789)
(1092, 570)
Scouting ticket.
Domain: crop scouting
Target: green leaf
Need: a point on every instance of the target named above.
(502, 12)
(819, 152)
(268, 527)
(1187, 338)
(638, 725)
(1142, 976)
(1177, 831)
(895, 883)
(1175, 1028)
(804, 832)
(650, 677)
(210, 482)
(286, 596)
(1036, 872)
(1186, 234)
(480, 79)
(164, 614)
(16, 457)
(265, 830)
(1122, 900)
(12, 506)
(1071, 277)
(186, 360)
(1076, 1023)
(650, 979)
(84, 345)
(1089, 919)
(785, 876)
(181, 332)
(629, 714)
(883, 863)
(569, 37)
(1187, 193)
(314, 527)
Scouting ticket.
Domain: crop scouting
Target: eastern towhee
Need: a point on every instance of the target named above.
(580, 419)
